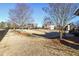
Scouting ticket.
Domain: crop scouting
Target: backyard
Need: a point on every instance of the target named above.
(33, 43)
(39, 29)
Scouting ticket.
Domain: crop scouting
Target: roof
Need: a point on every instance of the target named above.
(77, 12)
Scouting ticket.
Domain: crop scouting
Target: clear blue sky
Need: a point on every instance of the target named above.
(38, 13)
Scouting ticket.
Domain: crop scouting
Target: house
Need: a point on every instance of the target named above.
(30, 26)
(49, 26)
(69, 27)
(52, 27)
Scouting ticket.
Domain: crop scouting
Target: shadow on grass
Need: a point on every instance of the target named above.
(50, 35)
(70, 44)
(74, 39)
(56, 35)
(3, 33)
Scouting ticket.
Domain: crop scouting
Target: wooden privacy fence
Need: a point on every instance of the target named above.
(3, 33)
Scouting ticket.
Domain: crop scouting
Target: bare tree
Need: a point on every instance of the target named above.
(31, 24)
(20, 15)
(46, 22)
(61, 14)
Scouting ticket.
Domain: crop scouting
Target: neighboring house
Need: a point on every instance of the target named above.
(49, 26)
(30, 26)
(69, 27)
(52, 27)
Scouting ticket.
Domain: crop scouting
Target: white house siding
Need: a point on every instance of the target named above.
(52, 27)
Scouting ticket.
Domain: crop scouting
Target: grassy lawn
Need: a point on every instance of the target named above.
(23, 42)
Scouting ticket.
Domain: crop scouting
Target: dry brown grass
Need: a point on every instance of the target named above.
(22, 44)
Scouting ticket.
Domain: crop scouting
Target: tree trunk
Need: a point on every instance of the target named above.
(14, 28)
(22, 28)
(61, 35)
